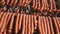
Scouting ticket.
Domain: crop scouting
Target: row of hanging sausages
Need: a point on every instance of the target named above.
(27, 24)
(46, 26)
(40, 5)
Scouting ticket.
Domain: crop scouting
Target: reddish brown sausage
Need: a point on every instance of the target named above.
(42, 8)
(23, 28)
(42, 25)
(16, 25)
(54, 5)
(39, 4)
(48, 26)
(32, 23)
(39, 25)
(4, 23)
(33, 4)
(3, 17)
(26, 29)
(51, 25)
(29, 25)
(56, 26)
(35, 21)
(11, 23)
(45, 24)
(20, 3)
(51, 5)
(20, 21)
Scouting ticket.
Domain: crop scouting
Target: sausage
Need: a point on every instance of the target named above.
(33, 4)
(23, 28)
(2, 2)
(0, 32)
(48, 26)
(42, 8)
(20, 3)
(46, 5)
(27, 2)
(57, 22)
(4, 32)
(56, 26)
(3, 17)
(10, 14)
(51, 25)
(35, 21)
(32, 23)
(20, 21)
(15, 2)
(51, 5)
(45, 24)
(29, 25)
(36, 3)
(39, 25)
(16, 25)
(11, 3)
(39, 4)
(11, 23)
(26, 24)
(4, 23)
(42, 25)
(54, 5)
(8, 2)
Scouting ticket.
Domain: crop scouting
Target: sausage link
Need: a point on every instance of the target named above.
(51, 25)
(42, 8)
(58, 21)
(32, 24)
(35, 21)
(26, 24)
(36, 3)
(48, 26)
(29, 25)
(23, 28)
(51, 5)
(39, 4)
(27, 2)
(20, 21)
(42, 25)
(11, 24)
(56, 26)
(2, 2)
(33, 4)
(12, 1)
(10, 14)
(20, 3)
(7, 2)
(3, 17)
(4, 23)
(46, 5)
(39, 25)
(54, 5)
(16, 25)
(0, 32)
(4, 32)
(45, 24)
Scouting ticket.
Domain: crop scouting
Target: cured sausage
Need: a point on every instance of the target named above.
(11, 24)
(56, 26)
(4, 23)
(16, 25)
(23, 28)
(39, 25)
